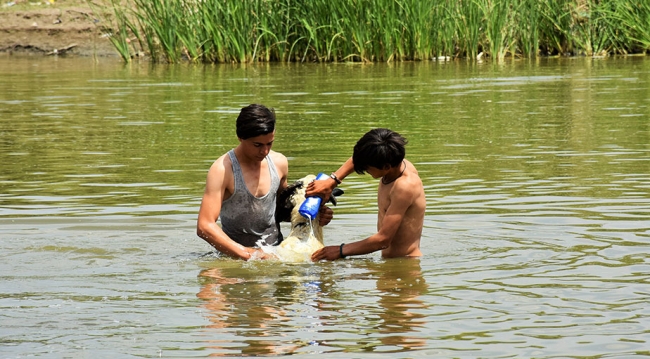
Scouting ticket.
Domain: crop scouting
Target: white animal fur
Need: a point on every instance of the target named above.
(304, 238)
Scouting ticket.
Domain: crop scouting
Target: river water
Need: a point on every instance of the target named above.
(536, 240)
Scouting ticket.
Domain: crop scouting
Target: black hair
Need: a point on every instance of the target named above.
(255, 120)
(378, 148)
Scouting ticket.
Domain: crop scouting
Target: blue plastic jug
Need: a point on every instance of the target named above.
(309, 208)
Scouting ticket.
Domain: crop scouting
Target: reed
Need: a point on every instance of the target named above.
(499, 25)
(122, 31)
(469, 19)
(377, 30)
(120, 38)
(590, 33)
(445, 35)
(528, 27)
(633, 18)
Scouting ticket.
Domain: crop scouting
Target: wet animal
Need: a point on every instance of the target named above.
(305, 236)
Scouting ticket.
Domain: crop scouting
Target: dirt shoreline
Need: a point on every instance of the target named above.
(62, 28)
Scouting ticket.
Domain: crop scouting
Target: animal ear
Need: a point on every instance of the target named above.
(283, 205)
(335, 193)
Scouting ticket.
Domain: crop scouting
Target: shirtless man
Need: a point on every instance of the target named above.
(400, 197)
(241, 189)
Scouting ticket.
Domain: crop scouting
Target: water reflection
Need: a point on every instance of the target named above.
(253, 303)
(250, 310)
(400, 287)
(283, 309)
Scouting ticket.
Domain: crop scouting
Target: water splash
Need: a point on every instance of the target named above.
(293, 249)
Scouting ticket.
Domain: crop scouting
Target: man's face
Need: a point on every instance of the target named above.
(258, 147)
(376, 172)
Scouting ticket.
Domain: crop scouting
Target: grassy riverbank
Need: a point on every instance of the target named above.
(377, 30)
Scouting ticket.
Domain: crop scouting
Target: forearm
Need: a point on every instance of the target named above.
(215, 236)
(345, 169)
(371, 244)
(368, 245)
(323, 188)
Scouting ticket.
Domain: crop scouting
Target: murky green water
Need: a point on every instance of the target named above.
(536, 240)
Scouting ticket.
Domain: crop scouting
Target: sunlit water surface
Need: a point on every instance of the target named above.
(536, 241)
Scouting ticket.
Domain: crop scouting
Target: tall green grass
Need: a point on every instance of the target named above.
(377, 30)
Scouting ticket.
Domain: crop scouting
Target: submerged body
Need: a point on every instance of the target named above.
(400, 198)
(401, 206)
(247, 178)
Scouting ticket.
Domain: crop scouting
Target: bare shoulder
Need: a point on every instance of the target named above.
(220, 174)
(413, 177)
(409, 184)
(280, 161)
(221, 163)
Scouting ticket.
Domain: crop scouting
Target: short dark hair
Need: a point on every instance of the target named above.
(378, 148)
(255, 120)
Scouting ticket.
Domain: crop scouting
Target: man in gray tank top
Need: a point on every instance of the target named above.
(241, 190)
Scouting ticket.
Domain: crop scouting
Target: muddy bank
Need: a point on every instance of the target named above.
(53, 28)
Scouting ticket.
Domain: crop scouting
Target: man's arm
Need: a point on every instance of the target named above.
(282, 166)
(323, 188)
(206, 226)
(401, 199)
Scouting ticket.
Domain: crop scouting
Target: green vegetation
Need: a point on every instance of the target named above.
(377, 30)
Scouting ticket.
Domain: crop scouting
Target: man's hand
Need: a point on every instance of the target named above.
(329, 253)
(258, 253)
(320, 188)
(325, 215)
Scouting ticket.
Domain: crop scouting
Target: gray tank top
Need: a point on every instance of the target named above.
(245, 218)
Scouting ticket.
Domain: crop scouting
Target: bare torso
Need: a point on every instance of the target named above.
(406, 241)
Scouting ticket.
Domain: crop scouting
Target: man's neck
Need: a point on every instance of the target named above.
(394, 173)
(245, 161)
